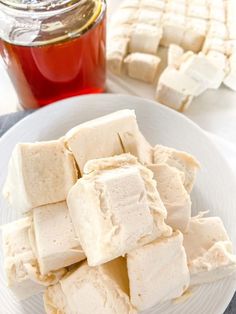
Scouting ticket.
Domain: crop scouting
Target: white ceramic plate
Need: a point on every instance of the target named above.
(214, 189)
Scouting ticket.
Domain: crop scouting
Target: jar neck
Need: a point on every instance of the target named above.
(40, 6)
(48, 24)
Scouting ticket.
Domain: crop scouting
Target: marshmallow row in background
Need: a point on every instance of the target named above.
(107, 223)
(200, 39)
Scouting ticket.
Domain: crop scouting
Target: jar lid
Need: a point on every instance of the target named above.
(35, 22)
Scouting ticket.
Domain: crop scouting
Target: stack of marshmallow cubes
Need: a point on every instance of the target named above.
(200, 36)
(107, 224)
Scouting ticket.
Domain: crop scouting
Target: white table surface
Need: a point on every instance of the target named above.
(214, 111)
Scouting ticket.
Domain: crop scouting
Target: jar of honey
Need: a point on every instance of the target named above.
(53, 49)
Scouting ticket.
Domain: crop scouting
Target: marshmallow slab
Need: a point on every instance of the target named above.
(116, 208)
(145, 38)
(173, 195)
(157, 272)
(55, 241)
(183, 161)
(116, 52)
(100, 290)
(39, 174)
(176, 90)
(201, 69)
(173, 55)
(20, 264)
(209, 250)
(101, 137)
(142, 66)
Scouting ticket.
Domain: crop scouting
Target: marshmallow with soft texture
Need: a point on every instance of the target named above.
(55, 242)
(175, 89)
(209, 250)
(173, 29)
(145, 38)
(192, 39)
(115, 208)
(101, 290)
(157, 272)
(218, 30)
(106, 136)
(39, 174)
(20, 263)
(173, 195)
(214, 43)
(180, 160)
(176, 7)
(148, 16)
(124, 16)
(198, 11)
(220, 61)
(116, 52)
(179, 83)
(174, 54)
(201, 69)
(142, 66)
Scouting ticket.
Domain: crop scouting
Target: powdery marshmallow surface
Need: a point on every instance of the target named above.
(55, 241)
(173, 194)
(20, 263)
(100, 290)
(105, 137)
(157, 272)
(33, 178)
(209, 250)
(116, 208)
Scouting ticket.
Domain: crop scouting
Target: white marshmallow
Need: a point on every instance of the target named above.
(101, 137)
(142, 66)
(100, 290)
(157, 272)
(192, 40)
(56, 244)
(116, 208)
(217, 30)
(209, 250)
(176, 7)
(116, 52)
(124, 16)
(220, 61)
(173, 195)
(174, 54)
(173, 29)
(198, 11)
(217, 13)
(198, 25)
(39, 174)
(120, 31)
(175, 89)
(215, 43)
(201, 69)
(22, 272)
(149, 16)
(183, 161)
(145, 38)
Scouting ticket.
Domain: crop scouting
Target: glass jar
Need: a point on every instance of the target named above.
(53, 49)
